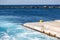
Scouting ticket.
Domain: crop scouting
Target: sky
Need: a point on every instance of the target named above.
(29, 2)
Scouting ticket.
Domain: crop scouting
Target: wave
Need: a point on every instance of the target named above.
(11, 28)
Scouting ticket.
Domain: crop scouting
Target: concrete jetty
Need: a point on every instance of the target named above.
(51, 28)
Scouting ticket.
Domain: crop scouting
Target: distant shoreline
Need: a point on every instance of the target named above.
(29, 6)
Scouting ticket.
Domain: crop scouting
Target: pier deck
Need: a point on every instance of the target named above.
(51, 28)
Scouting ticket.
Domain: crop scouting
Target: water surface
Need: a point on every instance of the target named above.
(11, 21)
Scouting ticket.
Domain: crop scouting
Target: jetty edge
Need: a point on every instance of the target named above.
(52, 28)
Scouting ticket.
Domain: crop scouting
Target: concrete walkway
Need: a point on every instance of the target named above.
(52, 28)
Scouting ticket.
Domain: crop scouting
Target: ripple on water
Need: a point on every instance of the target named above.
(12, 31)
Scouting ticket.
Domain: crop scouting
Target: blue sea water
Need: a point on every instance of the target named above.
(11, 21)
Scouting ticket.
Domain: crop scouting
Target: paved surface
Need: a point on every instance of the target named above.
(52, 27)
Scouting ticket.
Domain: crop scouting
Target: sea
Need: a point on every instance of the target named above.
(11, 20)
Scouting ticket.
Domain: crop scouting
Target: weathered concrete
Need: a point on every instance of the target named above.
(51, 28)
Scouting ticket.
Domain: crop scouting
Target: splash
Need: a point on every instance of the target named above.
(15, 31)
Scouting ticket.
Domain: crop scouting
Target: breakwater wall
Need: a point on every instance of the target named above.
(29, 6)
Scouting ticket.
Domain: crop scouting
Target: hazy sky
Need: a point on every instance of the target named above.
(29, 2)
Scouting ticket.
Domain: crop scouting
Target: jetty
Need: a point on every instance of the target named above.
(51, 28)
(29, 6)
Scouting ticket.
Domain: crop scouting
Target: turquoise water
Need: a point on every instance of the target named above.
(11, 29)
(11, 21)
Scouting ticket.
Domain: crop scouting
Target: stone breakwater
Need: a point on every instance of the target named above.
(29, 6)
